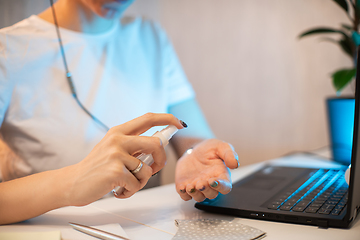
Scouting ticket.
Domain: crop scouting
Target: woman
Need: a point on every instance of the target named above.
(119, 69)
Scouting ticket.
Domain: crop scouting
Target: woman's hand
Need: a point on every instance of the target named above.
(204, 172)
(111, 161)
(108, 165)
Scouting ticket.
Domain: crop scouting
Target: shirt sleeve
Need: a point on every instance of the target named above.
(178, 87)
(6, 85)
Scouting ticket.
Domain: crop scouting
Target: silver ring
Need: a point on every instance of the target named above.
(138, 168)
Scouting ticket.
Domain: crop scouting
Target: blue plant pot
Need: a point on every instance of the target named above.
(341, 126)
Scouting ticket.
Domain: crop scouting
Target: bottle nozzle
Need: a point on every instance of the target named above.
(166, 134)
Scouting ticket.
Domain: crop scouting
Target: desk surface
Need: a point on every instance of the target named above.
(150, 214)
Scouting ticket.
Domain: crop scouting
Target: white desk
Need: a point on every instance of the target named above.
(150, 214)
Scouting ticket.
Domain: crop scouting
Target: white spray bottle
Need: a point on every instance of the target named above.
(165, 135)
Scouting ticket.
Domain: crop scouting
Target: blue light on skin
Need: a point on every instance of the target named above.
(88, 16)
(116, 8)
(108, 9)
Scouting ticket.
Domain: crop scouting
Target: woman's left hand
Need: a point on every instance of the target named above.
(204, 172)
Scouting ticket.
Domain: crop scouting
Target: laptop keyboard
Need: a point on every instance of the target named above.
(325, 192)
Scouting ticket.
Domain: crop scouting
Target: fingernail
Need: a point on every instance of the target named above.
(156, 173)
(237, 159)
(192, 190)
(214, 184)
(202, 189)
(182, 190)
(183, 123)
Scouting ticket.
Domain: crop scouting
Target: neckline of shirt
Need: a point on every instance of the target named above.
(39, 22)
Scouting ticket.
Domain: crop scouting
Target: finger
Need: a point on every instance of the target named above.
(159, 156)
(194, 193)
(133, 182)
(221, 185)
(130, 184)
(204, 187)
(143, 123)
(227, 153)
(141, 144)
(130, 162)
(143, 175)
(181, 190)
(147, 145)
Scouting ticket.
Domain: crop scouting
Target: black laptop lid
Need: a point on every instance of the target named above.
(354, 186)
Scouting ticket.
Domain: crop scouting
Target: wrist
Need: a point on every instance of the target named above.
(64, 184)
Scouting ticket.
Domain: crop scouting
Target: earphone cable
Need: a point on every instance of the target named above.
(68, 74)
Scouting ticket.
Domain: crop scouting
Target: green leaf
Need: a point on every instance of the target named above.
(344, 45)
(329, 40)
(347, 47)
(346, 26)
(342, 4)
(357, 8)
(321, 31)
(348, 44)
(342, 77)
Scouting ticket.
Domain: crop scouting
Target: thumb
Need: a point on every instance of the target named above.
(227, 153)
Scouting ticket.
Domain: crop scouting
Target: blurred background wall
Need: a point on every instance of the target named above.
(260, 87)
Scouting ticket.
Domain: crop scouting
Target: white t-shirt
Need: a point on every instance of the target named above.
(119, 75)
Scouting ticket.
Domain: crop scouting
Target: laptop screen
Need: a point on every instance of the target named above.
(354, 186)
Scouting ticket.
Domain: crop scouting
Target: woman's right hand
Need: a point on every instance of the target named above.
(111, 161)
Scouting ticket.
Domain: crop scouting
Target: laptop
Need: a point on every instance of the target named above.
(319, 197)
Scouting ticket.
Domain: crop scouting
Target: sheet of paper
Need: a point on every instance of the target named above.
(72, 234)
(53, 235)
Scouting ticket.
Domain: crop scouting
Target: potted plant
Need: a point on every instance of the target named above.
(341, 109)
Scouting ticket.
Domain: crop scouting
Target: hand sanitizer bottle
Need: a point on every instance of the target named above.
(165, 135)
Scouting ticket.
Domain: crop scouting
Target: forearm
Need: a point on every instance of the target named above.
(30, 196)
(8, 161)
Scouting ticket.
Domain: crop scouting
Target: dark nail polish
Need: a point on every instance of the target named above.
(182, 190)
(192, 190)
(184, 124)
(202, 189)
(156, 173)
(214, 184)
